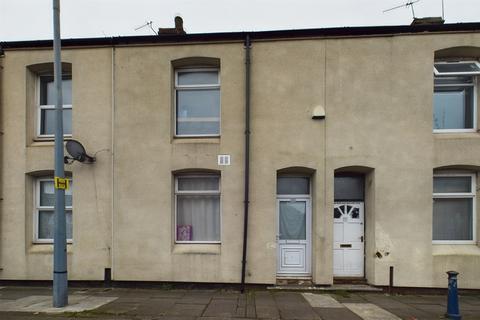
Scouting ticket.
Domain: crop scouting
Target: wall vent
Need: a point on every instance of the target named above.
(223, 159)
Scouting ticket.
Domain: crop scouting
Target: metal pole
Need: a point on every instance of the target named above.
(60, 283)
(453, 310)
(443, 11)
(247, 161)
(390, 282)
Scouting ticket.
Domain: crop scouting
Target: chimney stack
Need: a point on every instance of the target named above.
(177, 30)
(427, 21)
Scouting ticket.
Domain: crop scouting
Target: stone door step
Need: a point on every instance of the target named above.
(349, 280)
(335, 287)
(297, 281)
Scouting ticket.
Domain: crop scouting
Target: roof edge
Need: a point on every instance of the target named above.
(254, 35)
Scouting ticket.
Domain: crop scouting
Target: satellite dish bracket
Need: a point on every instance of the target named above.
(77, 152)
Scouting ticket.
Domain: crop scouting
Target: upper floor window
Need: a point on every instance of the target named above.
(46, 106)
(197, 102)
(45, 211)
(454, 99)
(454, 214)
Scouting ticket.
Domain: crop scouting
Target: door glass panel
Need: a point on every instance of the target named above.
(348, 188)
(337, 214)
(355, 214)
(292, 220)
(348, 209)
(293, 185)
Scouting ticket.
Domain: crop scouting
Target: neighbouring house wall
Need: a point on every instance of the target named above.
(379, 116)
(377, 94)
(24, 158)
(1, 152)
(458, 151)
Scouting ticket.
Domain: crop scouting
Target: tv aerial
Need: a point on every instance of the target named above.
(77, 152)
(147, 24)
(406, 5)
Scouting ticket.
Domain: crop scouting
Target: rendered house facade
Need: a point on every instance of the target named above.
(364, 154)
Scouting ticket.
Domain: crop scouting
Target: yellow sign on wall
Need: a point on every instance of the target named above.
(61, 183)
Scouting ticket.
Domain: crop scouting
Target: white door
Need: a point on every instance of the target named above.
(293, 239)
(348, 246)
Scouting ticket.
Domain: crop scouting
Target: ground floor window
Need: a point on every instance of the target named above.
(197, 203)
(45, 211)
(454, 215)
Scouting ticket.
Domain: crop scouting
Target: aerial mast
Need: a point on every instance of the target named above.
(406, 5)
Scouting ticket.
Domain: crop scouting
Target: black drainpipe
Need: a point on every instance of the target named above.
(247, 158)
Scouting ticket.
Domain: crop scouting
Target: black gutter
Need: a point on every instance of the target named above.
(247, 159)
(256, 35)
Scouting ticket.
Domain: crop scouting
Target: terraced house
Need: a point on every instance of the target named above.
(349, 150)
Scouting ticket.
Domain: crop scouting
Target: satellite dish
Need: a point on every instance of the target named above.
(77, 152)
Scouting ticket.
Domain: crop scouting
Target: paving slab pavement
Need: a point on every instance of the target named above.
(35, 304)
(163, 304)
(369, 311)
(265, 305)
(321, 300)
(336, 314)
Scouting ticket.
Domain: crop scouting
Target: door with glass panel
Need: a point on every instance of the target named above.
(294, 226)
(348, 245)
(348, 225)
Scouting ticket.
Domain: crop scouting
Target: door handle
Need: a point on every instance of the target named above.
(361, 238)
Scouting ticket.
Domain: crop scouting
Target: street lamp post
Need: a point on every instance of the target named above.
(60, 282)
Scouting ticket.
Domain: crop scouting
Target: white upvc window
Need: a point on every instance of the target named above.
(456, 68)
(197, 209)
(46, 105)
(197, 102)
(44, 194)
(455, 96)
(454, 208)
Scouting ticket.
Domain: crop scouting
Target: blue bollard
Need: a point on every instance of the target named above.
(453, 311)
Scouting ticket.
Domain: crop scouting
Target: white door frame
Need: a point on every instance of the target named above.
(295, 244)
(355, 244)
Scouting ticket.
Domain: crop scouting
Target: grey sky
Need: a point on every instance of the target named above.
(32, 19)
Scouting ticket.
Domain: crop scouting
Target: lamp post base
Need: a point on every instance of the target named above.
(60, 289)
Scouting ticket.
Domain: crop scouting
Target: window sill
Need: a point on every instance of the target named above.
(51, 137)
(180, 140)
(456, 135)
(456, 250)
(187, 248)
(47, 141)
(46, 248)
